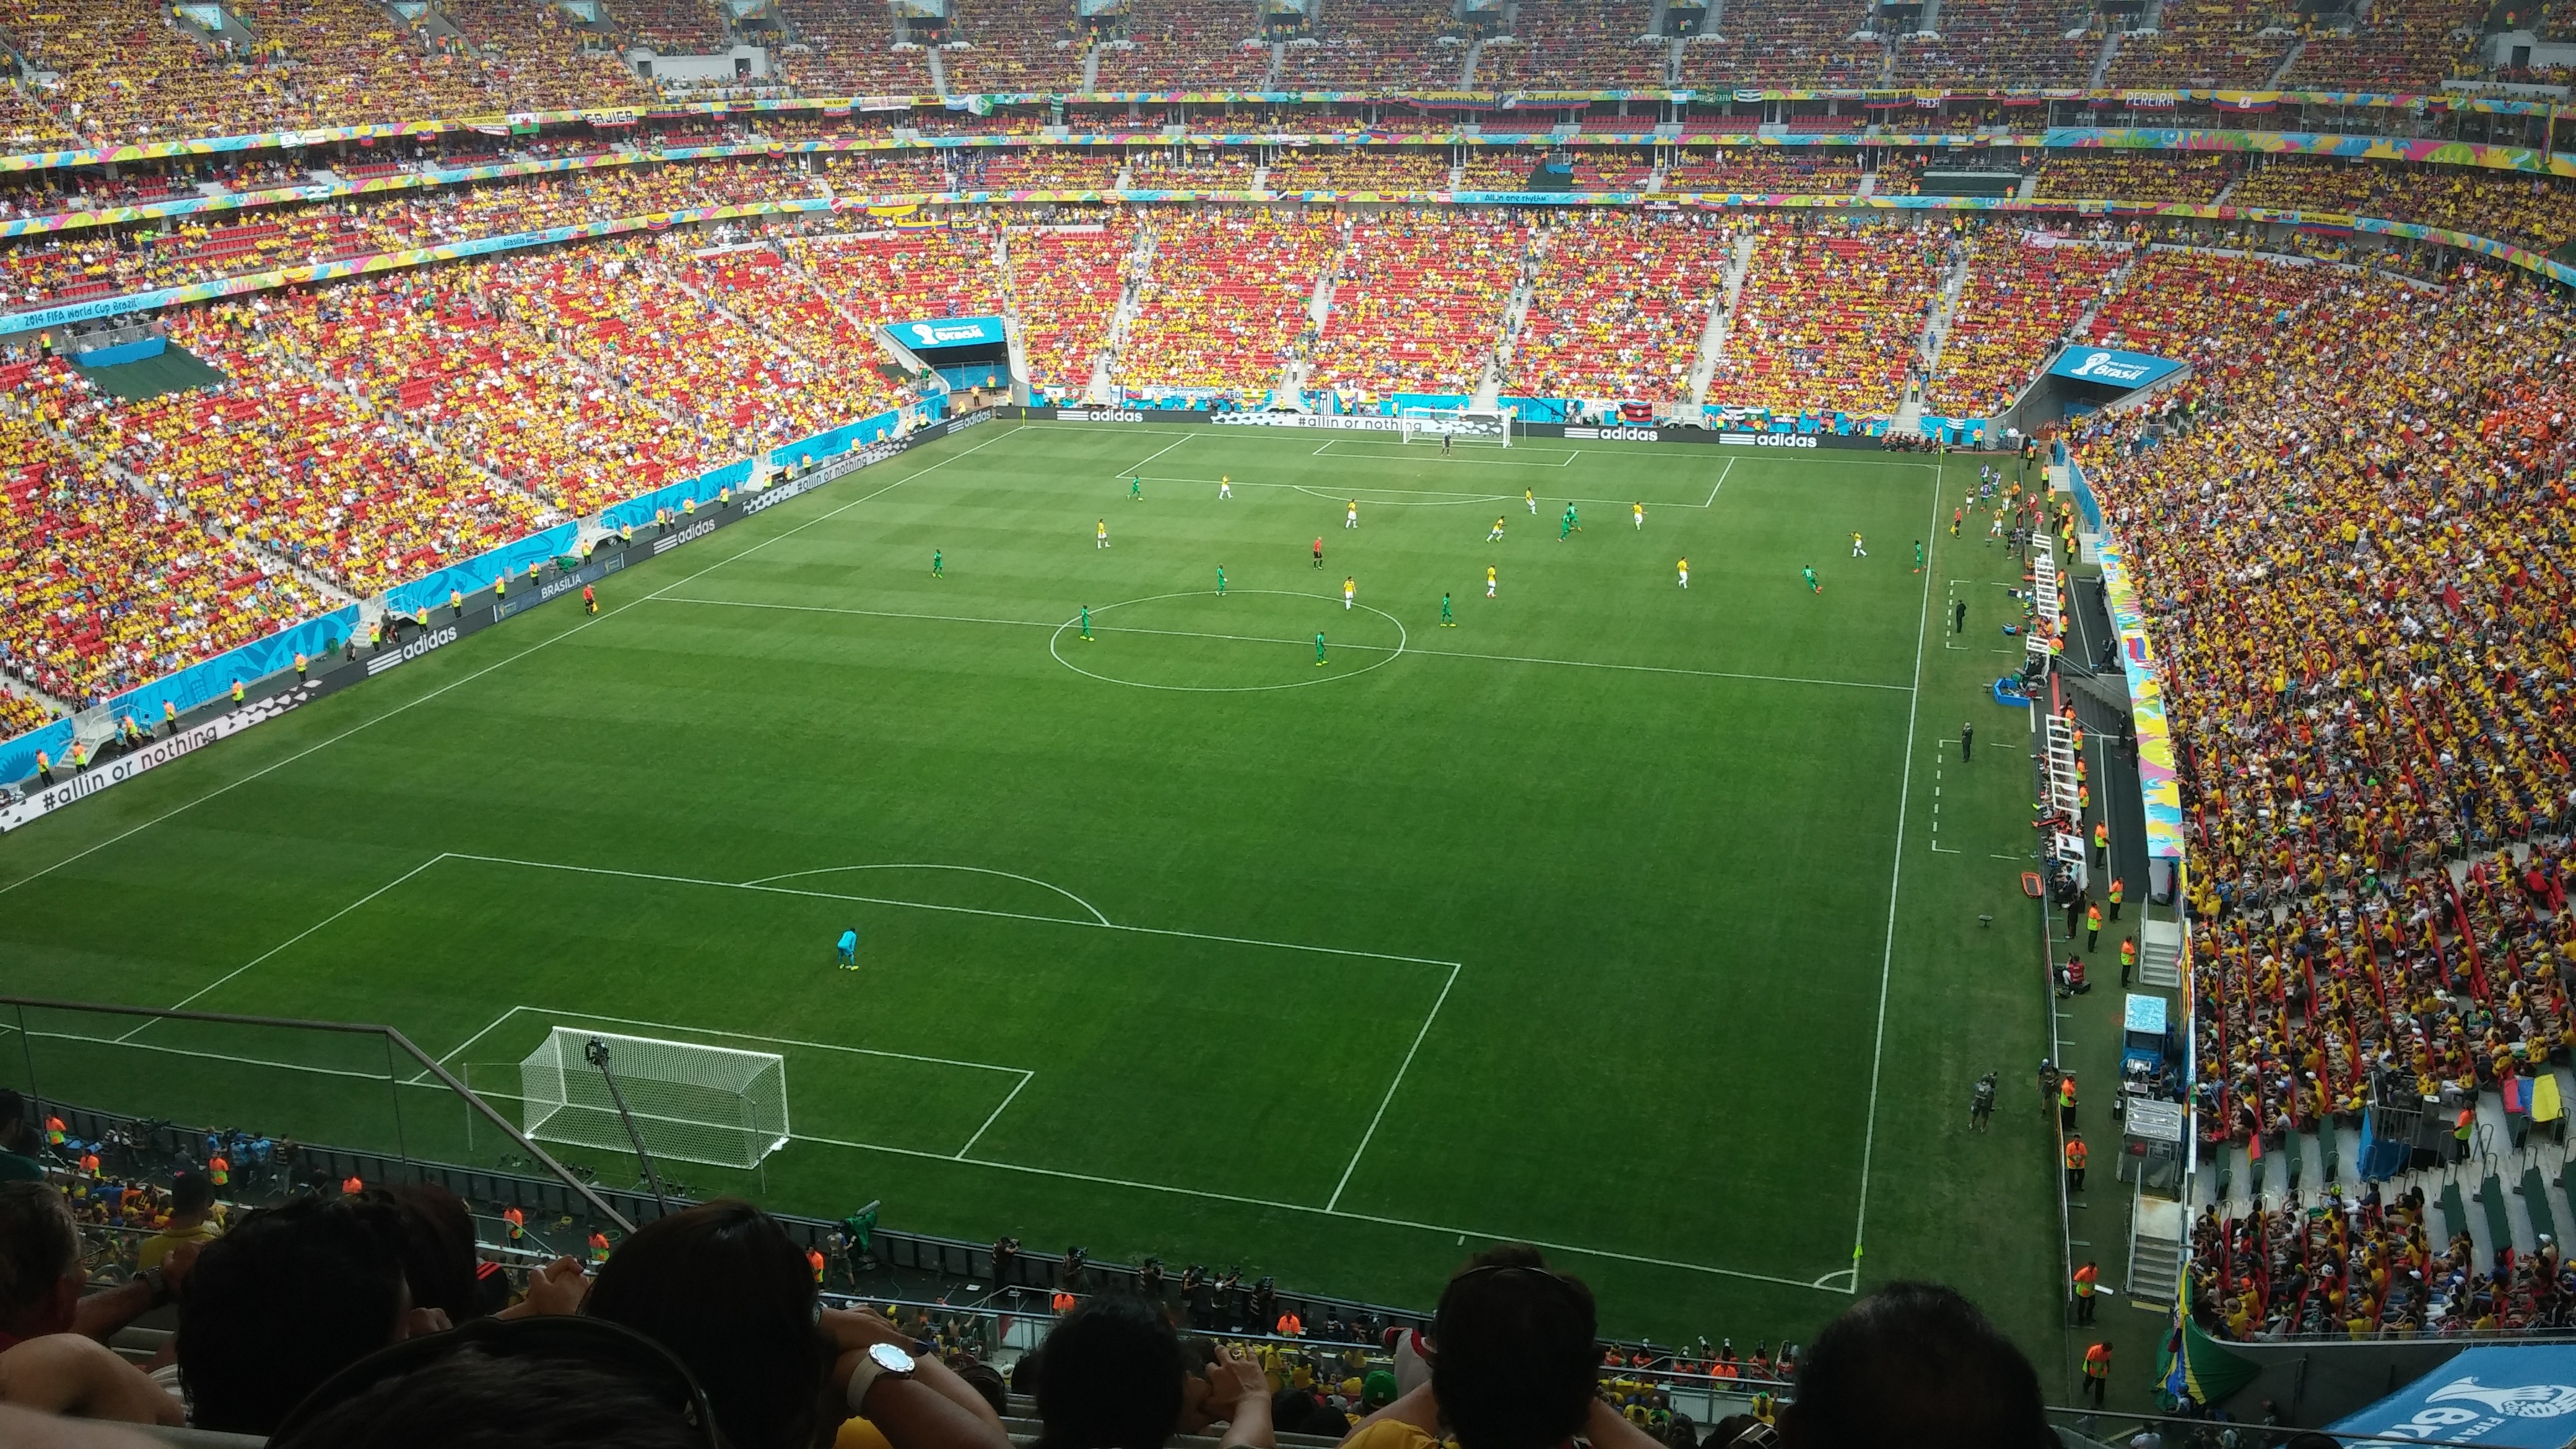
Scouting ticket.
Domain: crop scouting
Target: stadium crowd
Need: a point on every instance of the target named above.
(365, 1316)
(1618, 305)
(1831, 317)
(2349, 539)
(2538, 212)
(2023, 297)
(1417, 303)
(1225, 300)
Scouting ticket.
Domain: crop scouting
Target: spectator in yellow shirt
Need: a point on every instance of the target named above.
(192, 1219)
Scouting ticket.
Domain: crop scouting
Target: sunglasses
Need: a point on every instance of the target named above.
(596, 1342)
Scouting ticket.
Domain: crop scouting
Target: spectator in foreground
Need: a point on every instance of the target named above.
(723, 1288)
(1113, 1376)
(292, 1295)
(192, 1214)
(1919, 1365)
(561, 1383)
(1514, 1358)
(48, 1362)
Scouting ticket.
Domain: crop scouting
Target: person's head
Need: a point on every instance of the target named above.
(1110, 1377)
(727, 1292)
(1915, 1364)
(986, 1381)
(1512, 1351)
(192, 1196)
(438, 1248)
(292, 1295)
(499, 1392)
(40, 1261)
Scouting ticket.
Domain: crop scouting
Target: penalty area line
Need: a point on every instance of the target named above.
(1817, 1285)
(1384, 1102)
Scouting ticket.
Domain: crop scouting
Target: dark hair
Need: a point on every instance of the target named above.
(721, 1286)
(438, 1248)
(191, 1192)
(1915, 1364)
(292, 1295)
(1515, 1356)
(986, 1381)
(475, 1399)
(1110, 1377)
(39, 1247)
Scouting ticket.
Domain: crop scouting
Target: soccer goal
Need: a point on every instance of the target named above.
(692, 1103)
(1468, 426)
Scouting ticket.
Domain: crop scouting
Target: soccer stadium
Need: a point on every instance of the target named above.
(942, 724)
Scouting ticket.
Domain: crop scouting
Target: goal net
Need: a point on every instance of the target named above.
(1467, 426)
(691, 1103)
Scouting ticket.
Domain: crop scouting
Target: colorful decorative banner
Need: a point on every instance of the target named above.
(2156, 777)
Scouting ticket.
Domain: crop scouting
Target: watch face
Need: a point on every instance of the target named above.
(890, 1358)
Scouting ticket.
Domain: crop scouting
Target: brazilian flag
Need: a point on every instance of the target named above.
(2198, 1367)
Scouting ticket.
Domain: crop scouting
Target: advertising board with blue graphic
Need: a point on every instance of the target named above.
(2113, 369)
(2507, 1398)
(944, 332)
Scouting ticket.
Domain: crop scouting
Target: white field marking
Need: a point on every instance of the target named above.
(1662, 669)
(948, 909)
(1299, 1207)
(1401, 637)
(1140, 467)
(1564, 460)
(145, 1046)
(925, 865)
(1895, 876)
(1185, 634)
(1433, 497)
(1024, 1080)
(289, 941)
(466, 679)
(1384, 1102)
(1720, 483)
(821, 1046)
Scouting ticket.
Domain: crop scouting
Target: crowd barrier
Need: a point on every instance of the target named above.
(1797, 433)
(478, 573)
(212, 680)
(18, 756)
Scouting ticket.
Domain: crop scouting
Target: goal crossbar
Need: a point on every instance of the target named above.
(1476, 427)
(690, 1102)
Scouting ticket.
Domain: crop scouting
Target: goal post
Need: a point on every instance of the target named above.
(691, 1103)
(1477, 427)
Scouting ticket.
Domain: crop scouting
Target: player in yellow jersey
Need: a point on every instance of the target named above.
(1225, 486)
(1639, 510)
(1489, 581)
(1350, 590)
(1497, 535)
(1683, 569)
(1103, 535)
(1532, 500)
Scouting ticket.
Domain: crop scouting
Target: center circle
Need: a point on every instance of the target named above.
(1240, 642)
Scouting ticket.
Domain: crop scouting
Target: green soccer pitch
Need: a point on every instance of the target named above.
(1635, 921)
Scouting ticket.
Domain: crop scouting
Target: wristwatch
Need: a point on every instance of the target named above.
(882, 1360)
(159, 1282)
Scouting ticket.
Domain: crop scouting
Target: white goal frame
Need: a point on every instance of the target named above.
(691, 1103)
(1471, 427)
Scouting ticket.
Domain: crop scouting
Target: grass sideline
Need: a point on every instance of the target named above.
(1628, 859)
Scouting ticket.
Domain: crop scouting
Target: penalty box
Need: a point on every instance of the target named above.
(991, 1017)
